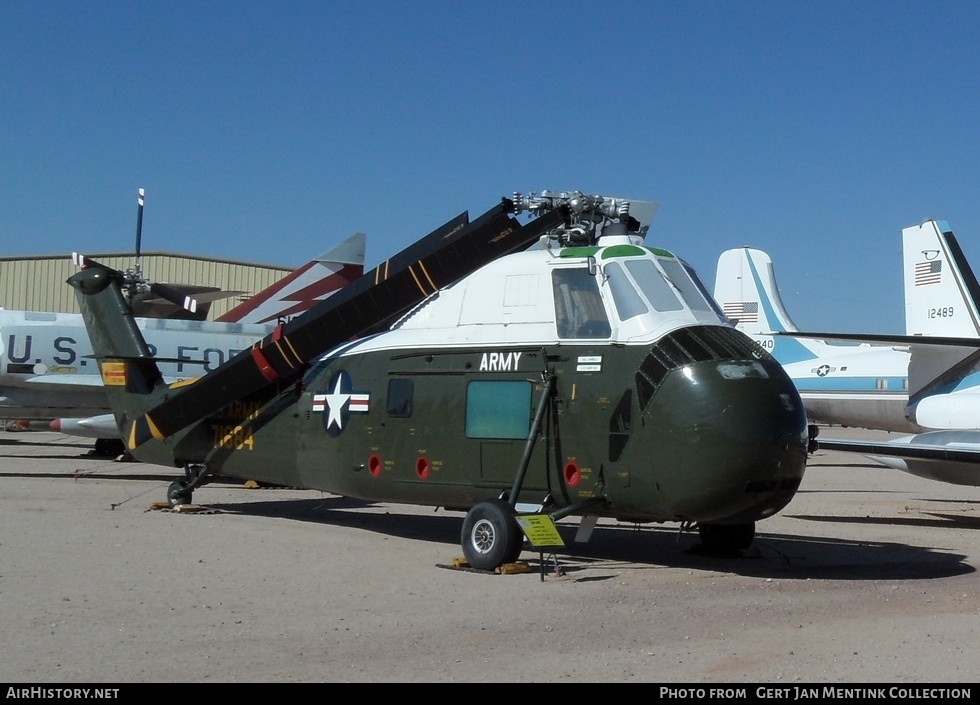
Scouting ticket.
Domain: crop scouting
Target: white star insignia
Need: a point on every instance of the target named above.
(335, 402)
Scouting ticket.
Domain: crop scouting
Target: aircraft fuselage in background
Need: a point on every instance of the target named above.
(47, 368)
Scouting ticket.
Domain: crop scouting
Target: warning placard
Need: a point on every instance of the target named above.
(540, 530)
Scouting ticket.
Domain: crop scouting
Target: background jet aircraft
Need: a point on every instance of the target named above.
(47, 370)
(858, 385)
(924, 382)
(592, 376)
(304, 287)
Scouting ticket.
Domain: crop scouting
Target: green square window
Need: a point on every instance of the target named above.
(498, 409)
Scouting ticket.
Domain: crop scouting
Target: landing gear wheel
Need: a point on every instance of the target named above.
(178, 494)
(726, 538)
(491, 536)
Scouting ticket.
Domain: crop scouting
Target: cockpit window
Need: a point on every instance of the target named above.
(680, 277)
(628, 302)
(709, 299)
(654, 286)
(579, 312)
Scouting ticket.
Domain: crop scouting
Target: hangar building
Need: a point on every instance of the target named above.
(37, 283)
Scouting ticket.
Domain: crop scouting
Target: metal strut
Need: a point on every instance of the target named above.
(532, 437)
(181, 491)
(195, 475)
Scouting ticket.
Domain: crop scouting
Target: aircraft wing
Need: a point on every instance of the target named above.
(887, 339)
(900, 449)
(947, 456)
(79, 380)
(66, 380)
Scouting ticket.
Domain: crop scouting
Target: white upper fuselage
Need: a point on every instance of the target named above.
(634, 294)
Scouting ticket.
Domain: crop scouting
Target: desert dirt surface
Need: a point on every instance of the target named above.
(868, 577)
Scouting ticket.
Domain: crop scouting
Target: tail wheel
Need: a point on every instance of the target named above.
(727, 538)
(491, 536)
(178, 494)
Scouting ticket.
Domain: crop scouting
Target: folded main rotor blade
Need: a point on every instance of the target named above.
(437, 260)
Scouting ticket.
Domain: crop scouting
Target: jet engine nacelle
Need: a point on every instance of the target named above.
(959, 410)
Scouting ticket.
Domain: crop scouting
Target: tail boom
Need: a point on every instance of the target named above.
(129, 372)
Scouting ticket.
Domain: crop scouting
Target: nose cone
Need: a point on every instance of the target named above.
(729, 440)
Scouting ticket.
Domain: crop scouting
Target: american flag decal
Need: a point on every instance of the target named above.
(742, 311)
(928, 272)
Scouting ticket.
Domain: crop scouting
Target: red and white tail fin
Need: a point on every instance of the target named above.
(305, 286)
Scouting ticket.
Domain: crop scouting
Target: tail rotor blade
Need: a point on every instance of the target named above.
(174, 296)
(133, 283)
(84, 262)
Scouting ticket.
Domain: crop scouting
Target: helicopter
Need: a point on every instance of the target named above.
(558, 367)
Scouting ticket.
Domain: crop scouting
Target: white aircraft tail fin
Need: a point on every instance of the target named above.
(941, 290)
(304, 287)
(941, 295)
(745, 288)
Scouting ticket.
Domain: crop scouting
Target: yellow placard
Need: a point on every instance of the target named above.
(540, 530)
(114, 373)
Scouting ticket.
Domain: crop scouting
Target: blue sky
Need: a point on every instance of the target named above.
(267, 131)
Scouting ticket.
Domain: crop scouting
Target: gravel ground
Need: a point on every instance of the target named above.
(867, 577)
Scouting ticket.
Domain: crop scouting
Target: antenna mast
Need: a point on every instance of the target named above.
(139, 229)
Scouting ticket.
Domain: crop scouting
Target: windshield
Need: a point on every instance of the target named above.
(658, 290)
(681, 279)
(673, 288)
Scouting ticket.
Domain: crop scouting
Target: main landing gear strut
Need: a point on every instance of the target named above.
(491, 535)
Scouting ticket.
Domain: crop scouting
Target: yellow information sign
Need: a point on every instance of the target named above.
(114, 373)
(540, 530)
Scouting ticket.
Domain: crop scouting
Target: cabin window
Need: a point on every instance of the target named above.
(400, 392)
(498, 409)
(579, 312)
